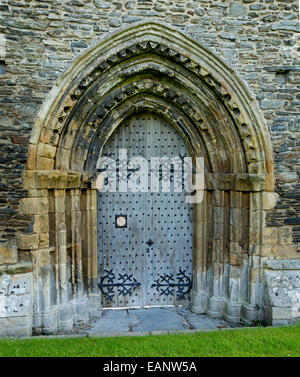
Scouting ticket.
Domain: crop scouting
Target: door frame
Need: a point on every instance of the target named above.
(97, 91)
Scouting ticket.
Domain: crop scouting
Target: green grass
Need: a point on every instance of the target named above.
(283, 341)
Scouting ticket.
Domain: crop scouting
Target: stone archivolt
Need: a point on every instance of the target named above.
(168, 66)
(148, 67)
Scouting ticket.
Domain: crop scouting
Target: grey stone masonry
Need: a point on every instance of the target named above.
(225, 74)
(39, 39)
(282, 291)
(16, 305)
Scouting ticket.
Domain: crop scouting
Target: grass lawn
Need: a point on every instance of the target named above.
(283, 341)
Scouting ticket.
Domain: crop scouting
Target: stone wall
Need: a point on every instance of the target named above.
(258, 38)
(282, 291)
(16, 302)
(40, 39)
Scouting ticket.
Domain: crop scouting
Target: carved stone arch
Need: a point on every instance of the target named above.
(173, 46)
(225, 139)
(143, 103)
(151, 67)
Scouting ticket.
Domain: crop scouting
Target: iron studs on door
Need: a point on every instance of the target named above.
(149, 242)
(121, 221)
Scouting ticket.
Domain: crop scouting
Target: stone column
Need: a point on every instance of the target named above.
(65, 310)
(92, 244)
(45, 320)
(202, 222)
(216, 300)
(252, 308)
(81, 305)
(237, 245)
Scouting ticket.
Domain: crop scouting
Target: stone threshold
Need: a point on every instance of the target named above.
(141, 333)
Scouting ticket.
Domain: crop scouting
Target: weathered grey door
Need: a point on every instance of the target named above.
(145, 238)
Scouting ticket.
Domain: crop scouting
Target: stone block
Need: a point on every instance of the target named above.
(287, 177)
(269, 200)
(254, 275)
(16, 268)
(270, 236)
(256, 200)
(31, 158)
(232, 311)
(44, 240)
(44, 163)
(73, 180)
(286, 25)
(16, 305)
(48, 136)
(270, 182)
(250, 182)
(285, 251)
(263, 250)
(216, 307)
(256, 221)
(292, 221)
(282, 294)
(16, 327)
(46, 150)
(33, 206)
(28, 180)
(41, 223)
(283, 264)
(115, 22)
(251, 313)
(8, 252)
(235, 233)
(271, 104)
(218, 215)
(199, 245)
(236, 216)
(235, 254)
(285, 236)
(34, 193)
(51, 179)
(236, 199)
(28, 241)
(218, 198)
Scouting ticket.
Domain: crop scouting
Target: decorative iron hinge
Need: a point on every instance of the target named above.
(166, 284)
(122, 170)
(126, 286)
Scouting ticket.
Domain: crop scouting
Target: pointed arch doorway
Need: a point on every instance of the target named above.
(154, 68)
(145, 239)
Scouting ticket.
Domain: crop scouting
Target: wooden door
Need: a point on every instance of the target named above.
(145, 238)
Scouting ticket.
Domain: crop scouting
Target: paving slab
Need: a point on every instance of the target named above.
(155, 320)
(111, 321)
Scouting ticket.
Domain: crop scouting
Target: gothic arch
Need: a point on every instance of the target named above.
(152, 67)
(191, 74)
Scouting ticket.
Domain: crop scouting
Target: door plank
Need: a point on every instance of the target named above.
(163, 218)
